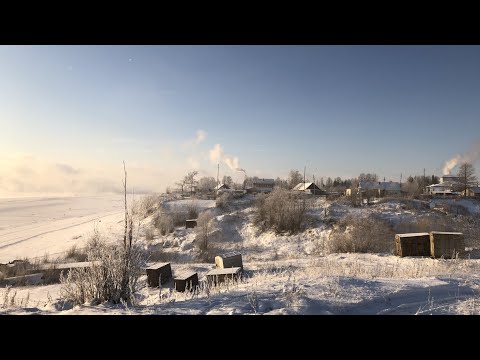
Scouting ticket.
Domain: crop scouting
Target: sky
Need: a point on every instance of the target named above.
(70, 115)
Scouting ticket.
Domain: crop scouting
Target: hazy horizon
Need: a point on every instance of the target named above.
(69, 115)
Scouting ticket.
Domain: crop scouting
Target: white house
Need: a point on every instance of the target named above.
(444, 188)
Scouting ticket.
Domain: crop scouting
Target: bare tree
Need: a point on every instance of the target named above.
(128, 235)
(412, 187)
(281, 183)
(181, 184)
(466, 173)
(294, 178)
(328, 183)
(368, 177)
(116, 269)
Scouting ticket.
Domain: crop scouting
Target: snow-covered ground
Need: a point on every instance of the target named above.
(284, 274)
(33, 227)
(335, 284)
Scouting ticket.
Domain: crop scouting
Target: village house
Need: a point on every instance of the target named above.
(376, 189)
(309, 188)
(449, 179)
(444, 188)
(263, 185)
(221, 187)
(473, 191)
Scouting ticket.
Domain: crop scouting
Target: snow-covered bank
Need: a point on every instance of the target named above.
(284, 274)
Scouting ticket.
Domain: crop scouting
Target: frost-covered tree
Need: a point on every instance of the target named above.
(283, 184)
(466, 173)
(204, 229)
(207, 184)
(368, 177)
(227, 180)
(189, 180)
(294, 178)
(328, 183)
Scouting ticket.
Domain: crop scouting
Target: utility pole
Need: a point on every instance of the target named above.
(424, 181)
(304, 170)
(218, 171)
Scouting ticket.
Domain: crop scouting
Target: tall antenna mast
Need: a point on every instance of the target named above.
(304, 170)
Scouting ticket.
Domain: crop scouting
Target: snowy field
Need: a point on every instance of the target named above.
(284, 274)
(33, 227)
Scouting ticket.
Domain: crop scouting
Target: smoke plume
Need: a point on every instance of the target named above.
(217, 154)
(472, 155)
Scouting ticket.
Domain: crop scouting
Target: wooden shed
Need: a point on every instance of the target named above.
(412, 244)
(228, 260)
(446, 244)
(23, 280)
(218, 275)
(186, 281)
(190, 223)
(156, 271)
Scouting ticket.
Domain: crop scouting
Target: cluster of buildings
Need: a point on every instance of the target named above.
(452, 185)
(267, 185)
(449, 185)
(258, 186)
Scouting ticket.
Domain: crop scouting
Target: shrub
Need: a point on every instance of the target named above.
(192, 210)
(76, 254)
(203, 230)
(113, 276)
(361, 235)
(281, 210)
(147, 205)
(223, 201)
(164, 222)
(149, 233)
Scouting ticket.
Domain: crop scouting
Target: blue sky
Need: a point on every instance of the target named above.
(69, 115)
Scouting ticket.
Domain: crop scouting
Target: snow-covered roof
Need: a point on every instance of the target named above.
(444, 184)
(264, 181)
(449, 178)
(412, 234)
(301, 185)
(446, 233)
(221, 186)
(392, 186)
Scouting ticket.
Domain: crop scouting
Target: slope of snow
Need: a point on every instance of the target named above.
(284, 274)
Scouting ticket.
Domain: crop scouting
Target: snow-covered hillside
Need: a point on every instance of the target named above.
(284, 274)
